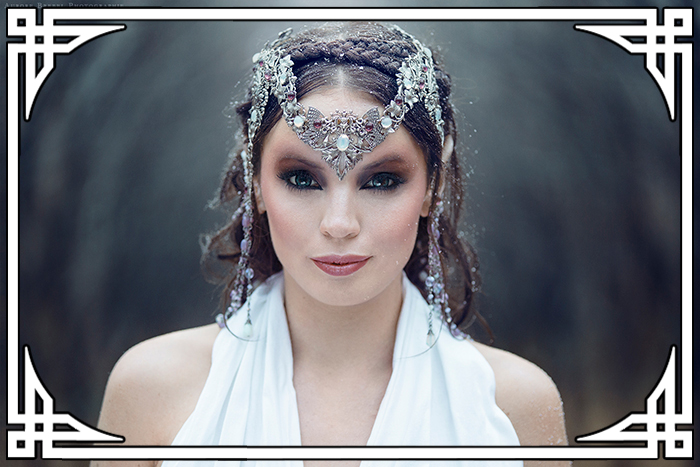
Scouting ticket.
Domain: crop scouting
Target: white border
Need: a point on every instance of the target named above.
(648, 27)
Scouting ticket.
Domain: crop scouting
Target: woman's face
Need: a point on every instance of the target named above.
(342, 242)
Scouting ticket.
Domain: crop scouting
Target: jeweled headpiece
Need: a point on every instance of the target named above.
(342, 137)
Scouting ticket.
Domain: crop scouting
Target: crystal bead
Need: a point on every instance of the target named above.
(268, 76)
(246, 221)
(343, 142)
(249, 273)
(430, 338)
(220, 320)
(429, 281)
(386, 122)
(434, 231)
(247, 329)
(244, 245)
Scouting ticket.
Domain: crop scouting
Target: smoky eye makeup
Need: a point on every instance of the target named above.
(384, 181)
(299, 180)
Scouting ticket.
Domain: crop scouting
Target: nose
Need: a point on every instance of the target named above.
(340, 217)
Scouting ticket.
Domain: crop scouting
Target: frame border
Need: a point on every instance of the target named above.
(659, 30)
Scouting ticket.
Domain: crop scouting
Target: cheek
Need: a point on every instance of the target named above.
(397, 227)
(289, 223)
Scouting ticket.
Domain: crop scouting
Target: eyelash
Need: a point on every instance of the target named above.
(294, 174)
(395, 180)
(291, 179)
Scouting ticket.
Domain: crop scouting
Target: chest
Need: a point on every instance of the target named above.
(340, 410)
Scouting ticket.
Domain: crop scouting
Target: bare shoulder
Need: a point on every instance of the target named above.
(155, 385)
(528, 396)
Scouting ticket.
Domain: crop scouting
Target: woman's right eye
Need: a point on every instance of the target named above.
(300, 180)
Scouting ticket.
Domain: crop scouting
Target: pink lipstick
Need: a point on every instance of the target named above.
(337, 265)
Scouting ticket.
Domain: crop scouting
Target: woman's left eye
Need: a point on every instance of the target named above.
(384, 181)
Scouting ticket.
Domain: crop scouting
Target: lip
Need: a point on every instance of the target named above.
(340, 265)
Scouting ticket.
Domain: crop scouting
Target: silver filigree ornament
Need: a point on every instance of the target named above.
(343, 137)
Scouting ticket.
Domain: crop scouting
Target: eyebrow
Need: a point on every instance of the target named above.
(384, 160)
(302, 161)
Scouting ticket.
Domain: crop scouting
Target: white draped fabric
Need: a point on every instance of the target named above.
(438, 396)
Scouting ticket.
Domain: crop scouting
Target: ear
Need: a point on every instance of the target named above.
(447, 149)
(425, 208)
(260, 202)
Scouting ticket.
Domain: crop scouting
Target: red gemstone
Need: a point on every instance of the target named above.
(398, 101)
(261, 63)
(421, 84)
(369, 127)
(318, 124)
(268, 76)
(291, 96)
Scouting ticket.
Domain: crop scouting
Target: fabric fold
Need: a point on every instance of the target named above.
(444, 395)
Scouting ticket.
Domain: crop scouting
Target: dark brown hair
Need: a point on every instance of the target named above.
(366, 56)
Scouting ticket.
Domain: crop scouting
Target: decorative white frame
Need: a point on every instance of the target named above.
(659, 39)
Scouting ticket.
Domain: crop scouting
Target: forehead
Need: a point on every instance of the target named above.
(329, 99)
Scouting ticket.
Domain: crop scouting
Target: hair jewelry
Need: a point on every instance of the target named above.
(343, 137)
(435, 282)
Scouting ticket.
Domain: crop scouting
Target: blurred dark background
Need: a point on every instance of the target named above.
(574, 200)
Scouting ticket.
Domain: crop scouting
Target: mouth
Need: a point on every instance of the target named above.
(336, 265)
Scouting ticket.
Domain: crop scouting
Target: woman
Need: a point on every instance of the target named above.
(348, 290)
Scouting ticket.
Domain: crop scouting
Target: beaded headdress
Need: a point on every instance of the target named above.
(342, 138)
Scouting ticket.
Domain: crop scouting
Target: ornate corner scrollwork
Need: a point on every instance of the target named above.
(42, 42)
(657, 42)
(42, 424)
(658, 423)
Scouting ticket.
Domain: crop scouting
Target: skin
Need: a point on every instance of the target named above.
(342, 329)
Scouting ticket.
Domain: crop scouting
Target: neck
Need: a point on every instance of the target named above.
(338, 339)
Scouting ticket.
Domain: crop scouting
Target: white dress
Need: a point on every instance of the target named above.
(439, 396)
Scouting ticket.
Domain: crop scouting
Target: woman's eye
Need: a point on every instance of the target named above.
(300, 180)
(384, 181)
